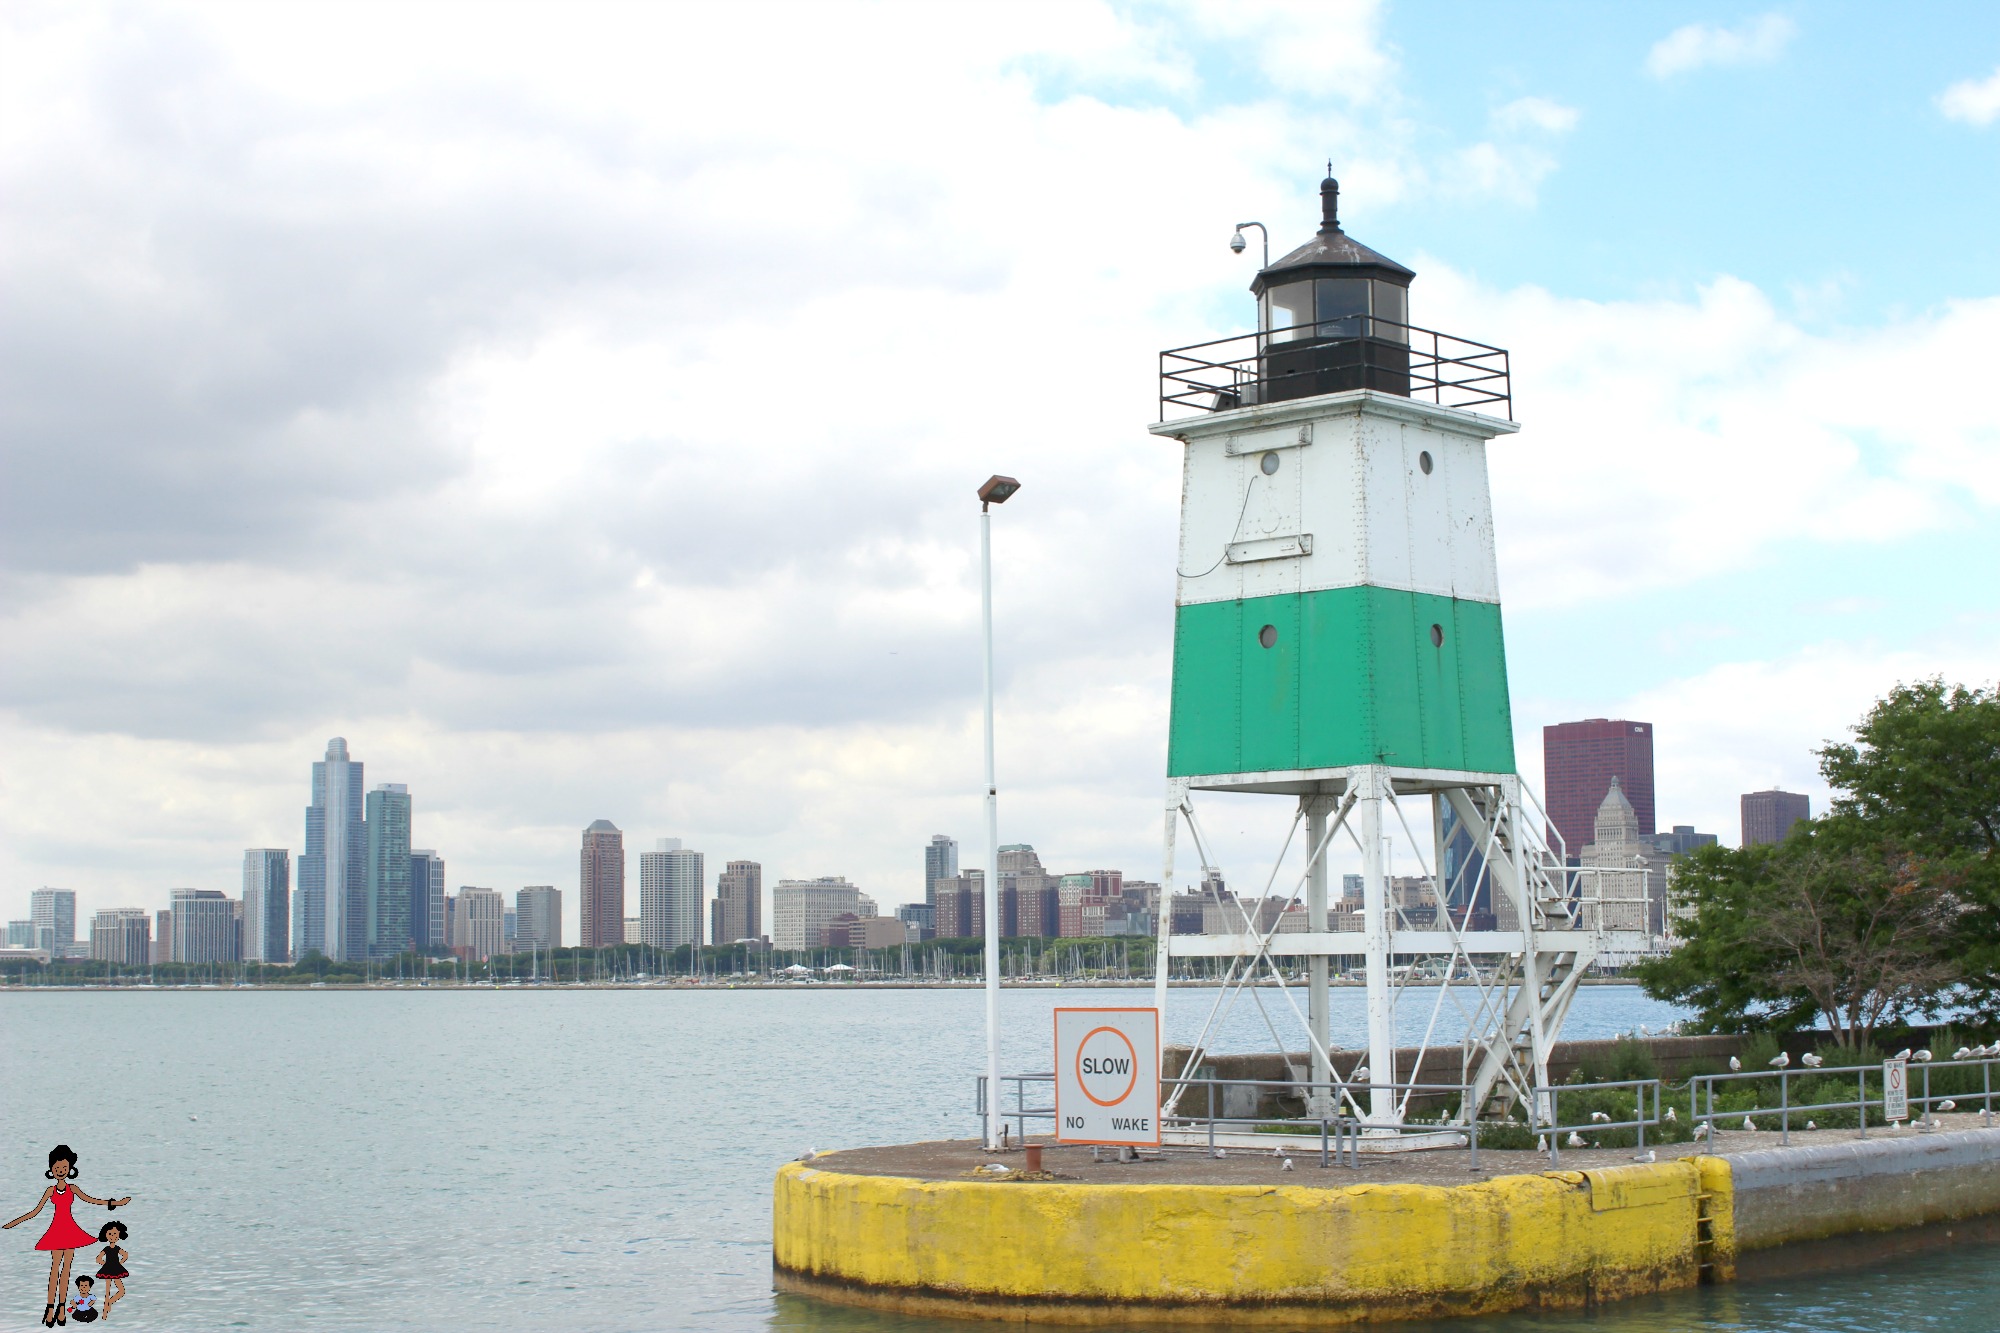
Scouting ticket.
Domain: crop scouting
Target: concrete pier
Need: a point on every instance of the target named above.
(1310, 1248)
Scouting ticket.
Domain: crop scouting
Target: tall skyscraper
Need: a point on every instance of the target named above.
(54, 913)
(205, 927)
(1769, 815)
(538, 918)
(670, 892)
(387, 886)
(427, 901)
(739, 903)
(601, 905)
(267, 905)
(1580, 759)
(330, 913)
(940, 862)
(122, 935)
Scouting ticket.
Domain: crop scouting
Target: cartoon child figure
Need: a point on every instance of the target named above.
(84, 1308)
(111, 1263)
(64, 1235)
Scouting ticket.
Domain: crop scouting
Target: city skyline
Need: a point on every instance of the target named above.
(364, 531)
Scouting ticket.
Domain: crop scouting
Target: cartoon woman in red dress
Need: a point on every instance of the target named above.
(64, 1236)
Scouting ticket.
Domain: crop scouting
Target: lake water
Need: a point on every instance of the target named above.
(514, 1160)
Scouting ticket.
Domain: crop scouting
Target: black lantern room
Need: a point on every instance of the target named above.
(1333, 315)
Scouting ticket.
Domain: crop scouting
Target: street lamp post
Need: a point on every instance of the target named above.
(996, 491)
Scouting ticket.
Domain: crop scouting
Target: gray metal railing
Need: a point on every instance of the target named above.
(1547, 1119)
(1339, 1135)
(1702, 1093)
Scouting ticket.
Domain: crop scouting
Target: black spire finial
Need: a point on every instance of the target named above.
(1329, 202)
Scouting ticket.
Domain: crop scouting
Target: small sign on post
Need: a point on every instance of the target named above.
(1895, 1090)
(1108, 1076)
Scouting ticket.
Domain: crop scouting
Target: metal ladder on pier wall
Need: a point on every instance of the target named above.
(1705, 1267)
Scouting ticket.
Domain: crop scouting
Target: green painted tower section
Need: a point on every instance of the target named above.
(1338, 599)
(1356, 675)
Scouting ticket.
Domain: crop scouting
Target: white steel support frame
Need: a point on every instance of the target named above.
(1511, 985)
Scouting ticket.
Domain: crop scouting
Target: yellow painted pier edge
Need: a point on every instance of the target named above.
(1250, 1254)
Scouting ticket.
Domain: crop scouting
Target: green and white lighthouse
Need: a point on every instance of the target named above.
(1338, 640)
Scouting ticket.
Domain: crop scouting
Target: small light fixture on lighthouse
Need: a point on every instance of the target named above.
(1238, 244)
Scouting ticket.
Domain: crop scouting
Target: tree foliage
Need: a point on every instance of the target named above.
(1886, 908)
(1923, 774)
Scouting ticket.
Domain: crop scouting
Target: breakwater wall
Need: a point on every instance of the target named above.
(1251, 1255)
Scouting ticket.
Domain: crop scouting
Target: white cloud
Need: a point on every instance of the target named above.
(1974, 101)
(1749, 725)
(1535, 113)
(487, 397)
(1700, 45)
(1801, 435)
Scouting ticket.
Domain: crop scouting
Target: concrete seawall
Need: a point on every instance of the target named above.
(1787, 1195)
(1255, 1255)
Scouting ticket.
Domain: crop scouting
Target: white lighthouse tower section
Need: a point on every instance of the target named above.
(1345, 523)
(1307, 496)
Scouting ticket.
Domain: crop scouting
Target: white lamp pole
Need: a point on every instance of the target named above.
(995, 491)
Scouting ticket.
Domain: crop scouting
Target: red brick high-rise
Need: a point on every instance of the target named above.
(601, 905)
(1579, 759)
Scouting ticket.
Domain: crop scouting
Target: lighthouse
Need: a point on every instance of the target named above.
(1338, 644)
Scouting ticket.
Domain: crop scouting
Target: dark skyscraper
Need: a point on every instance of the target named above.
(427, 901)
(601, 909)
(1769, 815)
(267, 905)
(1579, 759)
(388, 870)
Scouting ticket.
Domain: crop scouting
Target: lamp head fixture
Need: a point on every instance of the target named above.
(997, 490)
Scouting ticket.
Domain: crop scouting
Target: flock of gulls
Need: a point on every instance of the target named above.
(1784, 1061)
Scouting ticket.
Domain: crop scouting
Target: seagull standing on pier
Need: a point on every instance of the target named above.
(1784, 1060)
(1811, 1061)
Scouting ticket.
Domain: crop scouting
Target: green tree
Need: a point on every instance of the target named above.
(1923, 775)
(1834, 925)
(1723, 968)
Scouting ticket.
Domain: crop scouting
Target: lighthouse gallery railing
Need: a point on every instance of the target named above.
(1253, 368)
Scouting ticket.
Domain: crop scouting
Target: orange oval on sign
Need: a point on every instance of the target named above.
(1131, 1065)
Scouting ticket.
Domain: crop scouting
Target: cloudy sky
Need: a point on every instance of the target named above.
(578, 407)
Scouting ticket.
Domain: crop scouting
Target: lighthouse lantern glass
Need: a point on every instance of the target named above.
(1342, 307)
(1288, 311)
(1392, 311)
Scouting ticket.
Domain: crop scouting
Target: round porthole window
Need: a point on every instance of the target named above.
(1268, 636)
(1270, 464)
(1424, 461)
(1437, 636)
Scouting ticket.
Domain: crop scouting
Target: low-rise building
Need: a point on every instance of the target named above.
(802, 909)
(122, 935)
